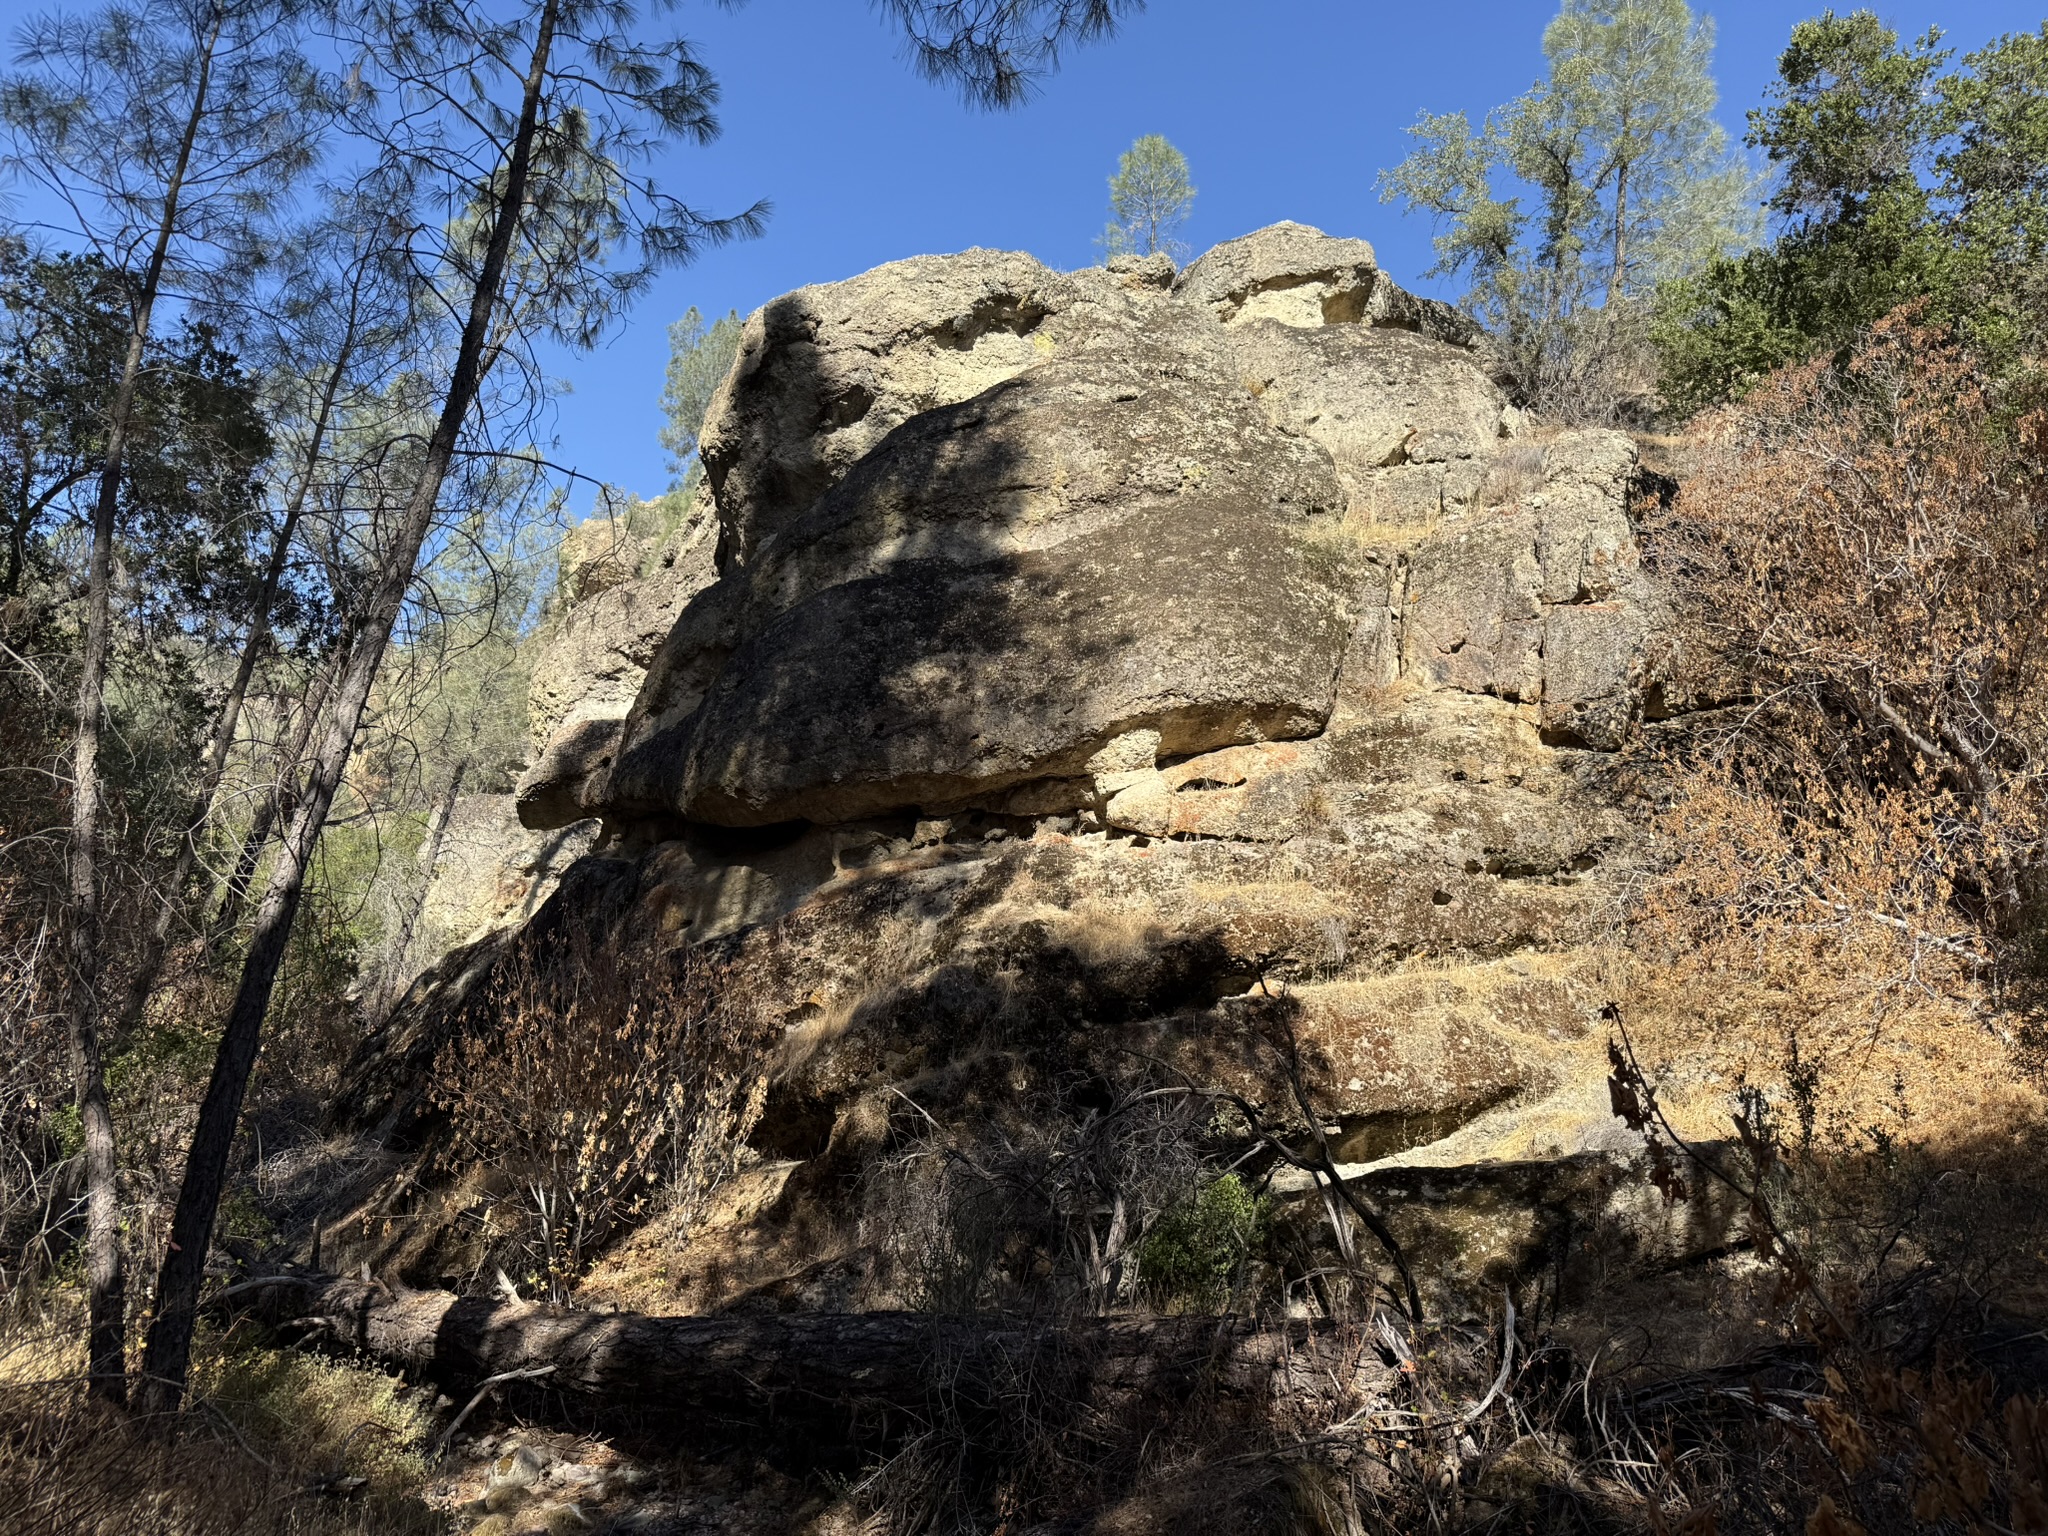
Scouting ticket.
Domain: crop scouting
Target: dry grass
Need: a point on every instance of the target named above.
(311, 1412)
(1105, 934)
(273, 1444)
(739, 1244)
(1515, 471)
(896, 949)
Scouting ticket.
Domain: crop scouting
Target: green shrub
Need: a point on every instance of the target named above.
(1192, 1257)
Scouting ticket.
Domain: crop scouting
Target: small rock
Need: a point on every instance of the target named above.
(567, 1520)
(520, 1467)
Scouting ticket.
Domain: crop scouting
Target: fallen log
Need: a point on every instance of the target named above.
(832, 1367)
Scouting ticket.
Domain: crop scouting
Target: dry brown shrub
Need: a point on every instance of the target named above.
(1896, 1290)
(596, 1083)
(1867, 545)
(1811, 939)
(1858, 842)
(1833, 971)
(1051, 1214)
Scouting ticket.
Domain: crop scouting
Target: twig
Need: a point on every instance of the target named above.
(1507, 1359)
(1319, 1169)
(1953, 946)
(1781, 1247)
(30, 668)
(489, 1382)
(261, 1282)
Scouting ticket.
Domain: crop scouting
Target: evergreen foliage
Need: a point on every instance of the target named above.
(1194, 1254)
(1899, 175)
(190, 516)
(699, 357)
(1569, 204)
(1150, 197)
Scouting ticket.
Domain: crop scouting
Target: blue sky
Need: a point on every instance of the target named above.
(1286, 109)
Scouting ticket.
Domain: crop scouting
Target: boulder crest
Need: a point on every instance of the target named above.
(977, 520)
(1286, 272)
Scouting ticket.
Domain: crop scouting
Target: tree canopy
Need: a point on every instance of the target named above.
(1899, 173)
(698, 357)
(1568, 204)
(1150, 197)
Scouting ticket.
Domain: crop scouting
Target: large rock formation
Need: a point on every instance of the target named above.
(1068, 665)
(988, 532)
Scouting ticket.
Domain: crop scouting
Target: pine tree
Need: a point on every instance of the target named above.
(1149, 198)
(168, 134)
(698, 357)
(536, 123)
(1900, 174)
(1569, 205)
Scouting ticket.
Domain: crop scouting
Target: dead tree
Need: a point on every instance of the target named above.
(833, 1370)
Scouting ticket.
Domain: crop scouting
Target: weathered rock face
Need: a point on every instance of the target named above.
(591, 663)
(1110, 543)
(1079, 663)
(1543, 601)
(618, 594)
(1286, 272)
(981, 522)
(491, 871)
(1409, 423)
(825, 373)
(623, 597)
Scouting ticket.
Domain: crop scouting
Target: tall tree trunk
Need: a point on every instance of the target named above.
(229, 719)
(1617, 281)
(280, 800)
(167, 1353)
(392, 984)
(106, 1316)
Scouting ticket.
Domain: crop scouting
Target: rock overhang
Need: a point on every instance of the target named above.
(979, 519)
